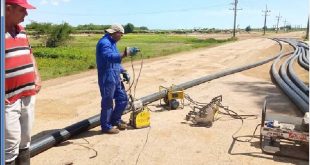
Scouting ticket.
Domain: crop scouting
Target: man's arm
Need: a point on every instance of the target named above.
(37, 74)
(110, 55)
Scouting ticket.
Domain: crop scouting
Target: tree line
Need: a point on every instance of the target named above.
(58, 34)
(54, 35)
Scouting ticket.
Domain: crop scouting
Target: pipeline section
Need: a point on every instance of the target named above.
(156, 96)
(47, 141)
(286, 83)
(291, 73)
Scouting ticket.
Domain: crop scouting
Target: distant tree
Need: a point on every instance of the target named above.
(288, 27)
(265, 27)
(129, 28)
(248, 29)
(39, 28)
(92, 27)
(143, 28)
(59, 35)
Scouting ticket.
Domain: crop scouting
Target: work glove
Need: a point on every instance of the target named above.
(126, 77)
(131, 51)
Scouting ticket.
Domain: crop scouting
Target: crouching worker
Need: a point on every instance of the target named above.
(113, 94)
(22, 82)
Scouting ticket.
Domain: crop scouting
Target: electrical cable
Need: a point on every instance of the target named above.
(133, 76)
(147, 138)
(135, 81)
(87, 142)
(141, 66)
(188, 98)
(237, 116)
(228, 112)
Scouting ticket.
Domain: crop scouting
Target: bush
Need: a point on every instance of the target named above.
(60, 35)
(129, 28)
(248, 29)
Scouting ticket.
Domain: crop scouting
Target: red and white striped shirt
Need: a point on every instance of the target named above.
(19, 67)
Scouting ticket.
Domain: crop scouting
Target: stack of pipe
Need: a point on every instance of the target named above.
(286, 77)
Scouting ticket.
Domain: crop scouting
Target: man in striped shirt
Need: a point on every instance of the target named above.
(22, 82)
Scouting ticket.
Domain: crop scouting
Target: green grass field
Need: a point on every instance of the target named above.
(79, 54)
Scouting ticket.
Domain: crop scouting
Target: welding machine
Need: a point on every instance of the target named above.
(173, 97)
(140, 116)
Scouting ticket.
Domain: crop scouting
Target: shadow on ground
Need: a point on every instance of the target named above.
(277, 101)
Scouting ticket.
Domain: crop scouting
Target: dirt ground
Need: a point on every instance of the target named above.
(170, 139)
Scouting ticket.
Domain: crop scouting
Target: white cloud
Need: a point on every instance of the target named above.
(54, 2)
(44, 2)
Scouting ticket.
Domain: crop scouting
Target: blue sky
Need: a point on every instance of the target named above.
(169, 14)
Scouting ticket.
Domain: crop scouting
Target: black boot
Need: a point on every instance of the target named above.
(10, 163)
(23, 157)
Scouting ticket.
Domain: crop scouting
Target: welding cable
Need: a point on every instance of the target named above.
(234, 115)
(137, 80)
(187, 97)
(237, 116)
(146, 140)
(89, 148)
(133, 76)
(132, 97)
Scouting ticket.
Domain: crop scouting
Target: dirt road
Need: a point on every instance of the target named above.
(170, 139)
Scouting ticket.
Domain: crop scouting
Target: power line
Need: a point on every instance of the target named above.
(278, 19)
(285, 22)
(266, 14)
(134, 13)
(235, 15)
(286, 25)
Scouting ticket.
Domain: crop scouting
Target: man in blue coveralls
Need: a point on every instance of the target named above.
(111, 88)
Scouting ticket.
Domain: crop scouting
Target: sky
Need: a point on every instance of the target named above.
(170, 14)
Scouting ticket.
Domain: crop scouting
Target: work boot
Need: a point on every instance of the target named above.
(23, 157)
(10, 163)
(111, 131)
(121, 125)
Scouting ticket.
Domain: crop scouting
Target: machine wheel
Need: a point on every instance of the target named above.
(262, 123)
(174, 104)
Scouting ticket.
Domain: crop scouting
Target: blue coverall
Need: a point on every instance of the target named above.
(109, 69)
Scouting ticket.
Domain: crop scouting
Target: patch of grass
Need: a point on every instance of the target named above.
(80, 54)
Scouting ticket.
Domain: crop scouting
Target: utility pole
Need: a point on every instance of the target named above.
(284, 22)
(235, 16)
(307, 33)
(266, 14)
(278, 19)
(284, 25)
